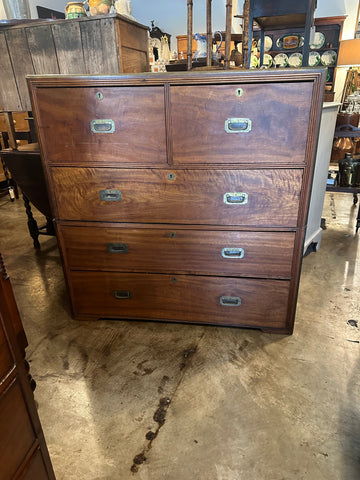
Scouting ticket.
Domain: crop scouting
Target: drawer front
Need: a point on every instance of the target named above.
(244, 123)
(217, 197)
(76, 125)
(194, 299)
(176, 250)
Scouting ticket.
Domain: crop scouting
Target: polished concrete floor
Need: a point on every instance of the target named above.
(123, 400)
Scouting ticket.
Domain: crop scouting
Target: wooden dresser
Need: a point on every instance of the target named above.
(181, 197)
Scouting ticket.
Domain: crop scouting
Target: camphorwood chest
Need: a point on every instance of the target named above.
(181, 197)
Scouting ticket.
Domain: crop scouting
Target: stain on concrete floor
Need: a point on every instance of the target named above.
(244, 404)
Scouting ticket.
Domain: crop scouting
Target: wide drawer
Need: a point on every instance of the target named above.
(76, 125)
(217, 197)
(244, 123)
(185, 298)
(178, 250)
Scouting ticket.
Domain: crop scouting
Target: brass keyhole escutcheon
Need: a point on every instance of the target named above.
(174, 279)
(239, 92)
(172, 234)
(171, 176)
(99, 95)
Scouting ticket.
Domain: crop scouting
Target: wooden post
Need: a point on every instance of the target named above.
(228, 34)
(11, 129)
(245, 33)
(32, 127)
(189, 33)
(208, 34)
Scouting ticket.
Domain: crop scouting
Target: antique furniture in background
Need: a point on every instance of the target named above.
(17, 134)
(281, 15)
(328, 31)
(175, 197)
(23, 162)
(331, 28)
(23, 451)
(107, 44)
(209, 35)
(347, 131)
(182, 44)
(26, 169)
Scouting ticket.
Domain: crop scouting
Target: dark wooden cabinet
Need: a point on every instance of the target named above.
(270, 16)
(181, 197)
(322, 52)
(331, 28)
(23, 452)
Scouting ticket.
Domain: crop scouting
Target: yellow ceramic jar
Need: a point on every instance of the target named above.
(75, 10)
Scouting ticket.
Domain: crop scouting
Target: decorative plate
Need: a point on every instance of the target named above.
(268, 60)
(254, 61)
(281, 60)
(319, 40)
(290, 41)
(295, 60)
(328, 58)
(314, 59)
(267, 43)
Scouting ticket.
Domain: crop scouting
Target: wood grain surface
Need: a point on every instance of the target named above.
(177, 250)
(99, 45)
(9, 94)
(42, 49)
(193, 197)
(184, 298)
(138, 115)
(85, 45)
(173, 165)
(279, 115)
(23, 452)
(14, 419)
(21, 63)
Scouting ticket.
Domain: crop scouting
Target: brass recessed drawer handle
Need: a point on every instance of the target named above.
(103, 125)
(229, 252)
(237, 198)
(230, 301)
(122, 294)
(117, 248)
(110, 195)
(237, 125)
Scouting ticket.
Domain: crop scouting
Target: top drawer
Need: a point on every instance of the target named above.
(106, 124)
(244, 123)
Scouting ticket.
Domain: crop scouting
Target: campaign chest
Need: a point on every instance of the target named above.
(181, 197)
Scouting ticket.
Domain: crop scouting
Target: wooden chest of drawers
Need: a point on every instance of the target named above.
(181, 197)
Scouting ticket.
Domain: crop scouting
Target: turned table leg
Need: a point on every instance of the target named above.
(32, 224)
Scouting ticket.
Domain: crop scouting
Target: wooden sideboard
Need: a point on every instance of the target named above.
(181, 197)
(98, 45)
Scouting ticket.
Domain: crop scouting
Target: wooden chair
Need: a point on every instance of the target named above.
(26, 168)
(24, 164)
(8, 185)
